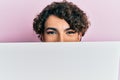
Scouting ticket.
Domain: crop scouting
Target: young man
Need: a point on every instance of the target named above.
(61, 22)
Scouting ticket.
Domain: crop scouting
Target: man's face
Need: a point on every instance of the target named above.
(58, 30)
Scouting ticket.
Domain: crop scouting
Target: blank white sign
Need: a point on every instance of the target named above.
(59, 61)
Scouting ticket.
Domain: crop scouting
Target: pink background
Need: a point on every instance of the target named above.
(16, 18)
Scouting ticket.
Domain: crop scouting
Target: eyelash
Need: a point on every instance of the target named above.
(51, 32)
(70, 32)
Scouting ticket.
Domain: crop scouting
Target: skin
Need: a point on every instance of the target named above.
(58, 30)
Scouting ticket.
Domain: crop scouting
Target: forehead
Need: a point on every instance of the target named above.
(56, 22)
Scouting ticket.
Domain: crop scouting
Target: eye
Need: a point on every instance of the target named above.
(70, 32)
(51, 32)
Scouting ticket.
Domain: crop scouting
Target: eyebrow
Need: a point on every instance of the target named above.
(69, 29)
(50, 28)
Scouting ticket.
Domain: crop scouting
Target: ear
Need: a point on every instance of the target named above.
(80, 36)
(42, 38)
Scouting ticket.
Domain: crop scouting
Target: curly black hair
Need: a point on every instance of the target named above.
(68, 11)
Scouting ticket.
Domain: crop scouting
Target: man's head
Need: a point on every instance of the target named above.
(61, 22)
